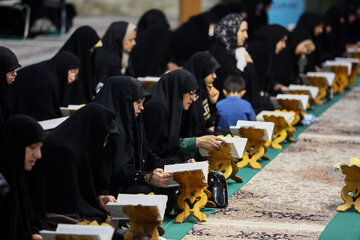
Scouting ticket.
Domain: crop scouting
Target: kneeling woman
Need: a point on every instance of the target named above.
(136, 169)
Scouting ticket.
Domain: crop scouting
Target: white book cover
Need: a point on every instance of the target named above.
(182, 167)
(352, 60)
(303, 99)
(330, 63)
(88, 231)
(288, 116)
(312, 89)
(352, 50)
(237, 146)
(66, 111)
(330, 76)
(117, 212)
(148, 79)
(51, 123)
(268, 128)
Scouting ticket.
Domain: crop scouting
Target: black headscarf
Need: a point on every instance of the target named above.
(150, 18)
(262, 51)
(199, 117)
(75, 160)
(256, 14)
(40, 89)
(163, 112)
(80, 42)
(286, 70)
(335, 40)
(108, 58)
(191, 37)
(135, 158)
(17, 216)
(308, 21)
(8, 63)
(150, 54)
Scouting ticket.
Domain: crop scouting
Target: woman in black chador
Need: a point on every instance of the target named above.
(20, 211)
(82, 43)
(8, 65)
(112, 59)
(268, 41)
(77, 158)
(42, 88)
(200, 119)
(136, 169)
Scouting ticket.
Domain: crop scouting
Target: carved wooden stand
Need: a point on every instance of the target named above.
(341, 78)
(222, 161)
(143, 222)
(192, 196)
(302, 92)
(352, 186)
(292, 105)
(282, 130)
(354, 72)
(255, 147)
(322, 84)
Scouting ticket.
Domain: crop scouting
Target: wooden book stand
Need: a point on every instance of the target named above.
(282, 130)
(350, 192)
(292, 105)
(322, 84)
(341, 80)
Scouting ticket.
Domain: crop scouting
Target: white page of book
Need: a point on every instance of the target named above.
(338, 63)
(65, 111)
(148, 79)
(312, 89)
(51, 123)
(304, 99)
(330, 76)
(288, 116)
(51, 235)
(275, 103)
(237, 146)
(117, 212)
(352, 60)
(352, 50)
(267, 126)
(182, 167)
(95, 232)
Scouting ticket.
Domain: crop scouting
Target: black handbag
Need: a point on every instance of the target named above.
(218, 188)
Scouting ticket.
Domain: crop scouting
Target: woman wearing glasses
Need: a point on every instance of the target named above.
(174, 92)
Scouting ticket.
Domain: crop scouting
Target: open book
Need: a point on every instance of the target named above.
(51, 123)
(70, 109)
(116, 210)
(329, 64)
(268, 128)
(288, 116)
(311, 89)
(82, 232)
(182, 167)
(237, 146)
(302, 99)
(148, 79)
(329, 76)
(352, 60)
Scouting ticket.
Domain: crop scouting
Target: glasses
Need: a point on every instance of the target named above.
(193, 95)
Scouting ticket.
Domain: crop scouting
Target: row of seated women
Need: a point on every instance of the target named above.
(121, 141)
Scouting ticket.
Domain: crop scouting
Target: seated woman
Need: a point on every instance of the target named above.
(136, 169)
(82, 43)
(268, 41)
(8, 65)
(112, 59)
(200, 119)
(77, 158)
(42, 88)
(229, 51)
(292, 60)
(22, 140)
(173, 93)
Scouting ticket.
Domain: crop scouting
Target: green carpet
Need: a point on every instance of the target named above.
(178, 231)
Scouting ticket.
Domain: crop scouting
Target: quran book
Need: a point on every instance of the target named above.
(268, 128)
(312, 89)
(67, 111)
(85, 232)
(237, 146)
(303, 99)
(51, 123)
(329, 76)
(288, 116)
(182, 167)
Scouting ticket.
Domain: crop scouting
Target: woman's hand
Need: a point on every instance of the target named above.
(209, 142)
(37, 237)
(103, 200)
(190, 160)
(248, 58)
(213, 93)
(159, 178)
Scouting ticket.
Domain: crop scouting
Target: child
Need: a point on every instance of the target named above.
(233, 107)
